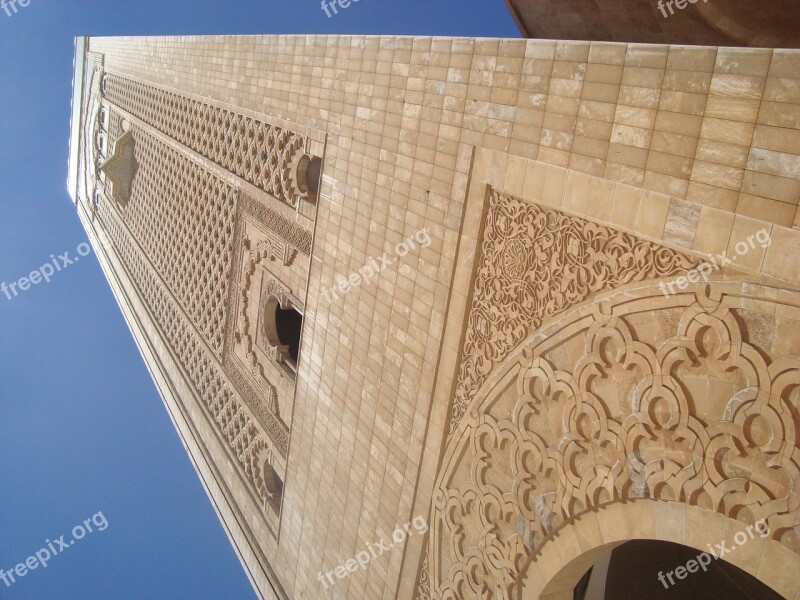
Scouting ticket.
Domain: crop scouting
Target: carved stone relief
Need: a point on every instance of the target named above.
(256, 363)
(188, 223)
(242, 434)
(169, 220)
(535, 263)
(269, 157)
(688, 399)
(183, 217)
(638, 396)
(195, 282)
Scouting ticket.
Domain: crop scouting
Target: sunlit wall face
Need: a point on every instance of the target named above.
(81, 44)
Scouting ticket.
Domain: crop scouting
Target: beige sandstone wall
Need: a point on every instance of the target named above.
(694, 148)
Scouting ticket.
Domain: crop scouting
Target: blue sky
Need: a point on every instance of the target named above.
(82, 428)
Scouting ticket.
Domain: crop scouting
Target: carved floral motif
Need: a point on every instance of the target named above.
(690, 399)
(423, 583)
(536, 263)
(646, 398)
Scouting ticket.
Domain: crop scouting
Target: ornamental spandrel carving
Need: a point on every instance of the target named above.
(692, 399)
(534, 264)
(423, 591)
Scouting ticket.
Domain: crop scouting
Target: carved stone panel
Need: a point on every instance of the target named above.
(691, 399)
(256, 363)
(562, 406)
(248, 445)
(269, 157)
(535, 263)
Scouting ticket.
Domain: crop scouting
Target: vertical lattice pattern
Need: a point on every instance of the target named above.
(184, 218)
(255, 151)
(238, 429)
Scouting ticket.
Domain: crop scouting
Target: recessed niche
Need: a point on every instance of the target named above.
(282, 328)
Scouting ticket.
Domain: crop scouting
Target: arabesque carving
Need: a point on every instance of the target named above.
(691, 399)
(423, 591)
(295, 236)
(248, 371)
(535, 263)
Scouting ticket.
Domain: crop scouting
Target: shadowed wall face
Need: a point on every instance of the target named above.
(770, 24)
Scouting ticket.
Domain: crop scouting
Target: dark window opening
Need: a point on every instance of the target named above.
(312, 175)
(273, 483)
(289, 325)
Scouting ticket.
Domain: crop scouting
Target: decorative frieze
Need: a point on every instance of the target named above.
(265, 155)
(295, 236)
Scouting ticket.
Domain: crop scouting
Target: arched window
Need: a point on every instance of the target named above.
(283, 325)
(273, 483)
(289, 324)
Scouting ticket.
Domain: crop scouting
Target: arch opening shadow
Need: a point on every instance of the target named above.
(659, 570)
